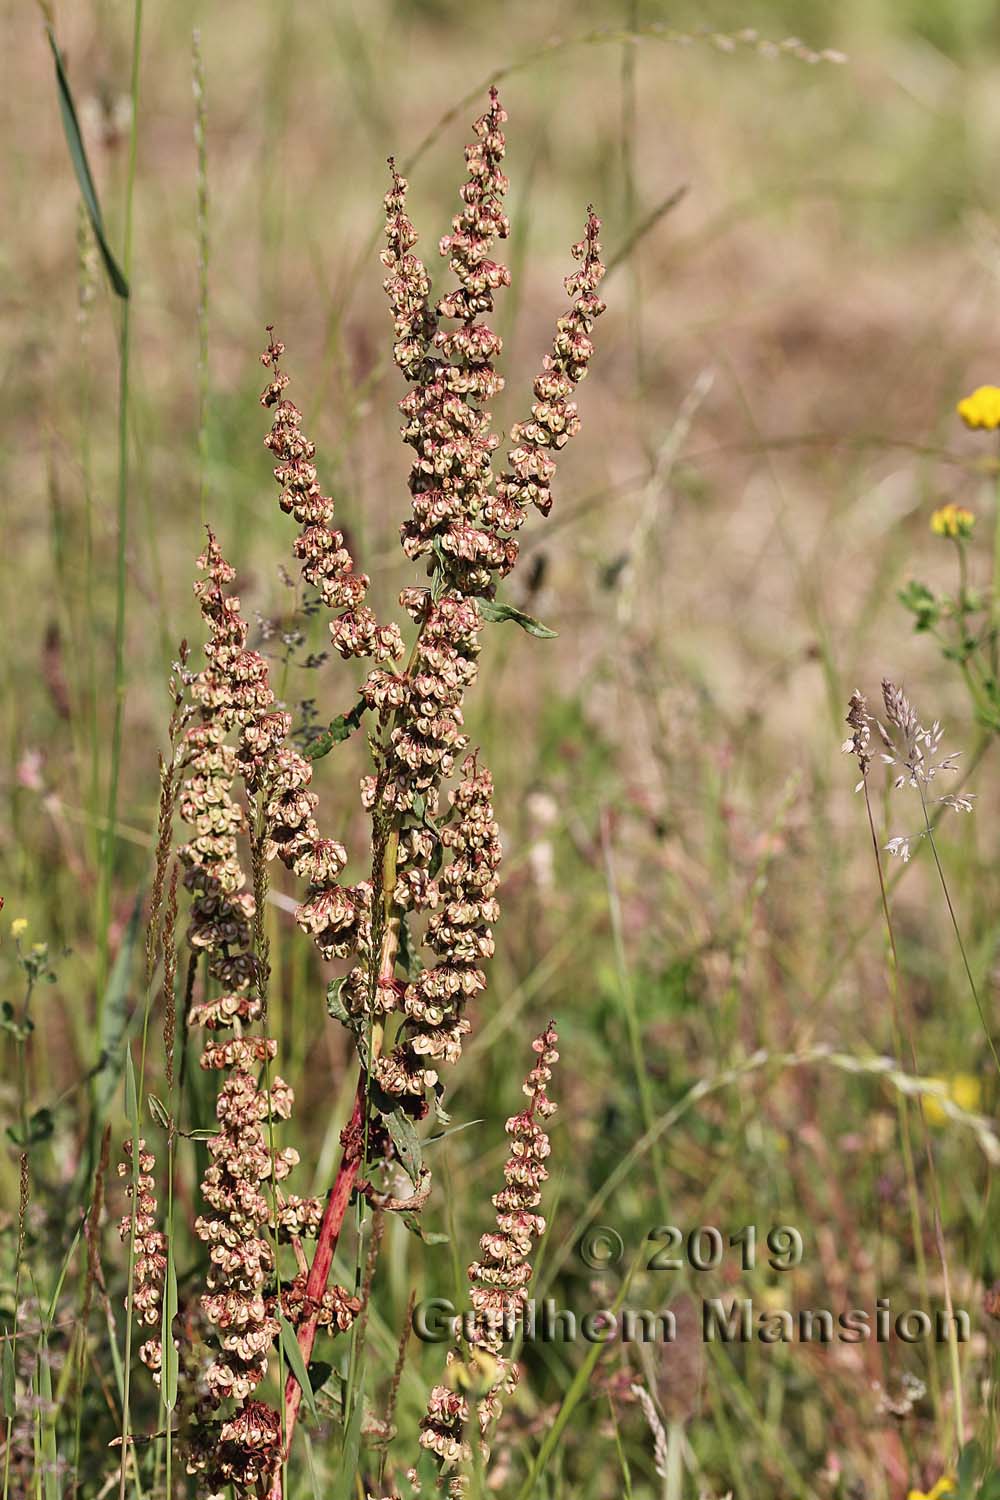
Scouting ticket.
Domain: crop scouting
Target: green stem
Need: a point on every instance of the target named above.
(124, 349)
(995, 582)
(198, 81)
(958, 934)
(902, 1112)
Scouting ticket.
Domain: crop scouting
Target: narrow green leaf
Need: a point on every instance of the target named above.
(8, 1378)
(443, 1135)
(169, 1371)
(50, 1412)
(159, 1111)
(131, 1102)
(344, 1488)
(577, 1389)
(81, 167)
(338, 730)
(57, 1292)
(406, 1142)
(429, 1236)
(493, 610)
(297, 1364)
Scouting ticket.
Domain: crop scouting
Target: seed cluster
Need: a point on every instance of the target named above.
(499, 1278)
(239, 1184)
(435, 839)
(326, 563)
(459, 933)
(149, 1248)
(462, 520)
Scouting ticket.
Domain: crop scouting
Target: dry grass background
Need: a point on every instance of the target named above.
(808, 313)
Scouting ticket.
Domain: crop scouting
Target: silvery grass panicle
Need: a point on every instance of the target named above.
(911, 750)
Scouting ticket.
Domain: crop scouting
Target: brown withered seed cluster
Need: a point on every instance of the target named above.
(462, 521)
(499, 1279)
(149, 1249)
(463, 905)
(235, 701)
(436, 850)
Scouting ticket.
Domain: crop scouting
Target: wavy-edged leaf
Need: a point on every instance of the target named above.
(338, 730)
(335, 1007)
(494, 611)
(429, 1236)
(406, 1142)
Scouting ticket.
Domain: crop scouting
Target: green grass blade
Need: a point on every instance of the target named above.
(578, 1388)
(297, 1364)
(344, 1487)
(50, 1449)
(8, 1377)
(169, 1371)
(81, 167)
(54, 1300)
(132, 1108)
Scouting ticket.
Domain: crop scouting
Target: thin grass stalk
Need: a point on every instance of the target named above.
(394, 1384)
(92, 1234)
(22, 1214)
(995, 580)
(121, 577)
(902, 1112)
(627, 991)
(958, 932)
(198, 88)
(86, 287)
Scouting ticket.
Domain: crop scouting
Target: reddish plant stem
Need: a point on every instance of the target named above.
(326, 1247)
(353, 1136)
(353, 1142)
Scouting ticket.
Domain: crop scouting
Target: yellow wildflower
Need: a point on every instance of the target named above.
(982, 408)
(944, 1486)
(962, 1089)
(953, 521)
(19, 927)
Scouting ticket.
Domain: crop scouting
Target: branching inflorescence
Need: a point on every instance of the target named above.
(435, 847)
(235, 701)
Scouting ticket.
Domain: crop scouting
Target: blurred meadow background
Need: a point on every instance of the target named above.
(804, 258)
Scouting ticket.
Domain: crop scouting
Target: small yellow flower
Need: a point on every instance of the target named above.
(962, 1089)
(944, 1486)
(953, 521)
(19, 927)
(982, 408)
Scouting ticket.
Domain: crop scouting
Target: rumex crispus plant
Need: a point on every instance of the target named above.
(416, 933)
